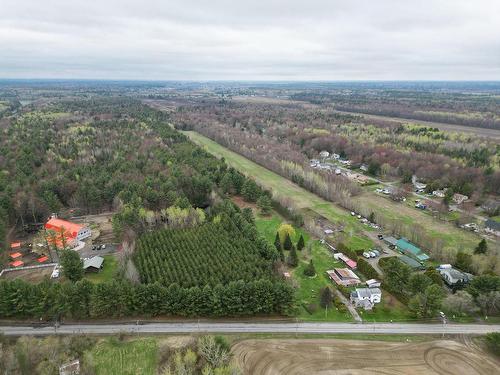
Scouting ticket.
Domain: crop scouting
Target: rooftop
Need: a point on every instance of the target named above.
(404, 244)
(70, 229)
(492, 224)
(95, 262)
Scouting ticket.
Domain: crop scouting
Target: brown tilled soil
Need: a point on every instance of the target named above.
(353, 357)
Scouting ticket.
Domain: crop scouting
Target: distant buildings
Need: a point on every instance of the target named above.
(343, 276)
(459, 198)
(493, 227)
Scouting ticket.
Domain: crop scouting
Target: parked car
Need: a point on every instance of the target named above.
(103, 247)
(377, 253)
(353, 213)
(366, 255)
(372, 254)
(380, 237)
(94, 247)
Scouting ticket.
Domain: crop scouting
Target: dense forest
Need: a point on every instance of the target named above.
(270, 133)
(93, 155)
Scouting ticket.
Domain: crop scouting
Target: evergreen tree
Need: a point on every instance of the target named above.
(293, 259)
(481, 248)
(250, 191)
(287, 245)
(310, 270)
(72, 265)
(301, 243)
(326, 297)
(265, 205)
(277, 245)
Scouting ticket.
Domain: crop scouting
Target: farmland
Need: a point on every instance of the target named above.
(361, 357)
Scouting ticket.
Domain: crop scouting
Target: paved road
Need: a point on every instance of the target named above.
(193, 327)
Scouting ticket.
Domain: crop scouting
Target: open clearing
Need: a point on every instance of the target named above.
(281, 186)
(452, 237)
(32, 275)
(481, 132)
(342, 357)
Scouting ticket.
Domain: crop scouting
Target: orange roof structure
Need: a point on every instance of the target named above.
(17, 263)
(58, 225)
(15, 245)
(42, 259)
(16, 255)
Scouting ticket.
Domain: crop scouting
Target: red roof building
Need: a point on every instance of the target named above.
(16, 255)
(17, 263)
(42, 259)
(15, 245)
(66, 231)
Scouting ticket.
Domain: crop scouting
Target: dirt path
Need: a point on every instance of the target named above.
(349, 306)
(353, 357)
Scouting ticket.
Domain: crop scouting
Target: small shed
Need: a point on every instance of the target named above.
(93, 264)
(17, 263)
(15, 245)
(16, 255)
(43, 259)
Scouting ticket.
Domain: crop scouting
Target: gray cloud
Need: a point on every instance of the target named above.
(273, 39)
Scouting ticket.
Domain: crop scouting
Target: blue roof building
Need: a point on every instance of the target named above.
(411, 250)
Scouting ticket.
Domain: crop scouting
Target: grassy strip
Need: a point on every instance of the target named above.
(108, 271)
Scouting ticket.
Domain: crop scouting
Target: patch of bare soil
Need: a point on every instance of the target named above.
(353, 357)
(34, 275)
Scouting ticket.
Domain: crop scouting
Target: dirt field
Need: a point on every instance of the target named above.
(34, 275)
(342, 357)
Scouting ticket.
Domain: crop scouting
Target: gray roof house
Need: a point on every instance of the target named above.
(452, 276)
(492, 226)
(366, 297)
(93, 264)
(391, 241)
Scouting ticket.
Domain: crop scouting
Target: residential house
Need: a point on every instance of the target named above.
(439, 193)
(453, 277)
(459, 198)
(493, 227)
(366, 297)
(324, 154)
(343, 276)
(93, 264)
(364, 167)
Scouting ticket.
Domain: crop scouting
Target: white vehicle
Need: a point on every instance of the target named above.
(366, 255)
(353, 213)
(372, 254)
(359, 216)
(377, 253)
(378, 190)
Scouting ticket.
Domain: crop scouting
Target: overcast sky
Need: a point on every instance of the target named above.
(251, 40)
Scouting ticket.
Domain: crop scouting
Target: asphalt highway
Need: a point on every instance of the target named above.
(284, 328)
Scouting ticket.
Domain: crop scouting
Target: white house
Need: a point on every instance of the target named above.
(459, 198)
(324, 154)
(366, 297)
(452, 276)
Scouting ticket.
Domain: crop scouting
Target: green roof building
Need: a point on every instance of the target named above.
(411, 250)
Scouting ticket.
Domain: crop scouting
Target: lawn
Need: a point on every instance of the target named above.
(108, 270)
(111, 356)
(308, 290)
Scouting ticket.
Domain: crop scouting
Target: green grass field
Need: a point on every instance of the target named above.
(112, 357)
(108, 270)
(451, 236)
(285, 188)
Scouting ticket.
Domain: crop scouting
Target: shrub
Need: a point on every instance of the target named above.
(493, 342)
